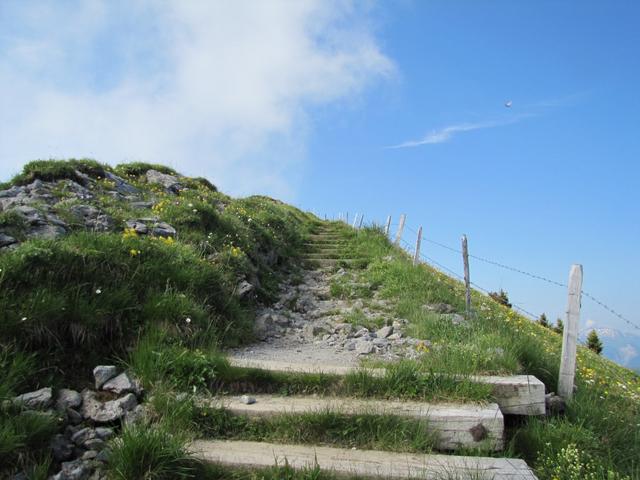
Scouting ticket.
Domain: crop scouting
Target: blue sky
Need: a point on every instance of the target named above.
(302, 100)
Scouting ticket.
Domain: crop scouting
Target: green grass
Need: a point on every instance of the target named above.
(371, 432)
(602, 421)
(150, 451)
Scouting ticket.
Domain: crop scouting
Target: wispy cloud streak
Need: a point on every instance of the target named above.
(445, 134)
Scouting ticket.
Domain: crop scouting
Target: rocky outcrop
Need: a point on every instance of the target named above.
(169, 182)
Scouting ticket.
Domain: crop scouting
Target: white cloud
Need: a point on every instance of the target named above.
(626, 354)
(221, 89)
(445, 134)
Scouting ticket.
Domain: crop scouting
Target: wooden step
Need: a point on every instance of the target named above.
(360, 463)
(515, 394)
(453, 426)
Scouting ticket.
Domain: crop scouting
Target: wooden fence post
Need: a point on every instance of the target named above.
(467, 278)
(386, 229)
(570, 334)
(347, 220)
(416, 256)
(355, 221)
(360, 222)
(400, 228)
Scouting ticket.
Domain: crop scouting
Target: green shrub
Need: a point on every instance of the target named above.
(571, 463)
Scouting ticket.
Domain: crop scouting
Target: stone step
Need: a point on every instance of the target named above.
(453, 426)
(360, 463)
(515, 394)
(328, 255)
(331, 262)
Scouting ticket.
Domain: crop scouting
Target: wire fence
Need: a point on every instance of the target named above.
(520, 271)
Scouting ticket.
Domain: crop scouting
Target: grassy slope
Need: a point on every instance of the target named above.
(160, 305)
(602, 421)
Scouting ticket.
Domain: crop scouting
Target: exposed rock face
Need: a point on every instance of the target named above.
(6, 240)
(92, 218)
(169, 182)
(37, 400)
(121, 185)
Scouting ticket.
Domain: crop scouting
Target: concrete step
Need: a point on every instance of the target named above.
(453, 426)
(360, 463)
(515, 394)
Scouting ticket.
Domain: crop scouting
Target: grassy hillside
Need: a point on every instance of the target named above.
(79, 287)
(155, 272)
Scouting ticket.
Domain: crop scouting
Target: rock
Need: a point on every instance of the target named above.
(169, 182)
(67, 399)
(75, 470)
(104, 433)
(106, 412)
(83, 435)
(163, 229)
(345, 328)
(384, 332)
(92, 218)
(364, 347)
(244, 288)
(89, 455)
(555, 404)
(380, 342)
(61, 448)
(137, 226)
(361, 332)
(74, 416)
(141, 205)
(38, 399)
(263, 326)
(96, 444)
(137, 414)
(103, 373)
(440, 308)
(457, 319)
(103, 455)
(310, 331)
(247, 399)
(6, 240)
(121, 185)
(48, 232)
(395, 336)
(122, 384)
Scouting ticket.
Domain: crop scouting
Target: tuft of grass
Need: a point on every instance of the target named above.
(151, 451)
(372, 432)
(140, 168)
(51, 170)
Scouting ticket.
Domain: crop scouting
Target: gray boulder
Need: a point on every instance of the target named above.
(75, 470)
(122, 384)
(384, 332)
(169, 182)
(364, 347)
(67, 399)
(37, 399)
(103, 373)
(137, 414)
(106, 412)
(139, 227)
(121, 185)
(162, 229)
(244, 289)
(83, 435)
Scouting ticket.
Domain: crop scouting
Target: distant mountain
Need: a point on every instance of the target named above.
(621, 347)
